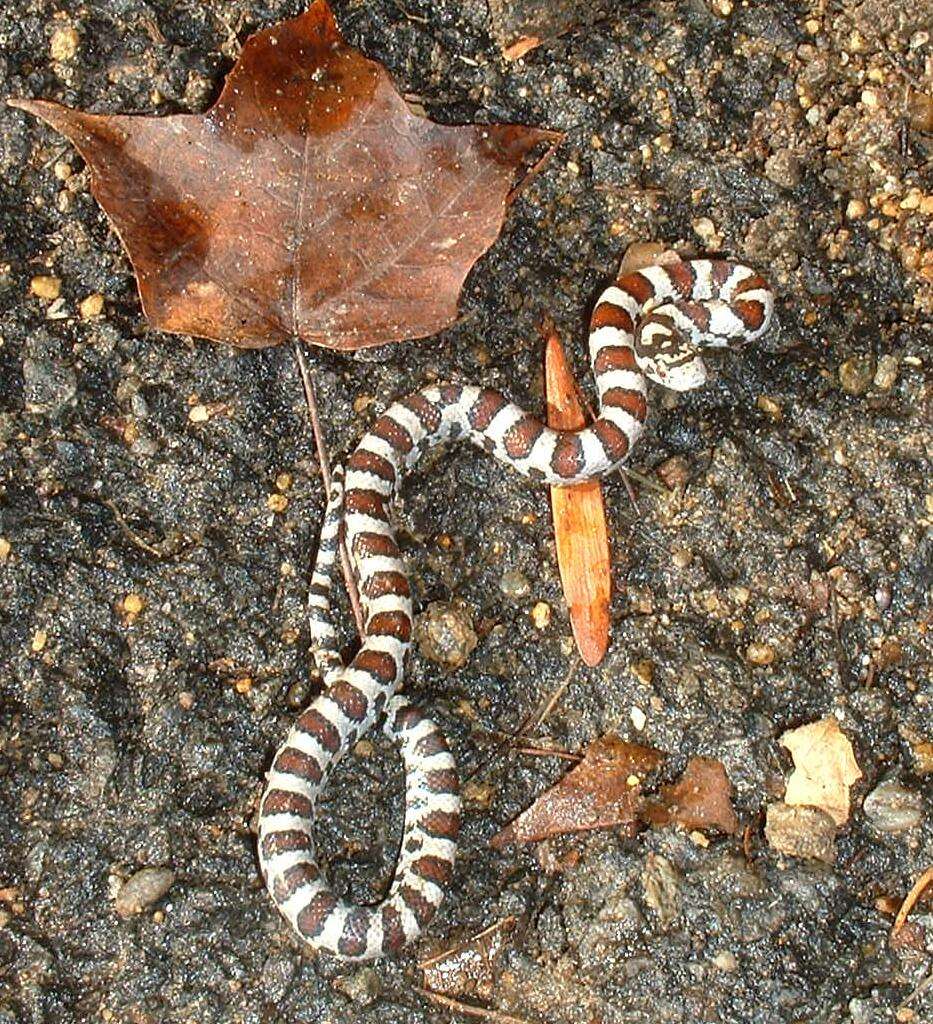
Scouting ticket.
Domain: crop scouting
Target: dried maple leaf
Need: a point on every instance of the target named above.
(602, 791)
(824, 768)
(701, 798)
(579, 522)
(309, 200)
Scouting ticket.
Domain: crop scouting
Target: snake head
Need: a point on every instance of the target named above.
(666, 356)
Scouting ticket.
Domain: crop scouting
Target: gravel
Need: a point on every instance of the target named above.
(134, 733)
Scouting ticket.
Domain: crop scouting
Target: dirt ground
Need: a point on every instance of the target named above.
(151, 634)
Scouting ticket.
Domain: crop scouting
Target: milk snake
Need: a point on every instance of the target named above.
(648, 325)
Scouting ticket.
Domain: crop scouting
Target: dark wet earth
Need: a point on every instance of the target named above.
(159, 501)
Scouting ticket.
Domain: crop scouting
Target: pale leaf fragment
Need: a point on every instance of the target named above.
(824, 768)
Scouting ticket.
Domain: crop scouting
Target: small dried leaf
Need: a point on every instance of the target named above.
(824, 768)
(309, 200)
(580, 529)
(700, 799)
(662, 885)
(472, 967)
(602, 791)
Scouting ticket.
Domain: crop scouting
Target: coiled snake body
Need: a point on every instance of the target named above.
(648, 325)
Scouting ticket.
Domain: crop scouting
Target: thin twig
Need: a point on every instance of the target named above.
(556, 138)
(530, 745)
(629, 489)
(352, 592)
(925, 880)
(645, 481)
(564, 755)
(842, 665)
(468, 1010)
(919, 991)
(128, 530)
(552, 700)
(531, 721)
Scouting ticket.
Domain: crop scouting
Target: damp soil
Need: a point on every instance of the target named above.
(160, 497)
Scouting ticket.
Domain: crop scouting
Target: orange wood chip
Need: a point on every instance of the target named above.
(579, 521)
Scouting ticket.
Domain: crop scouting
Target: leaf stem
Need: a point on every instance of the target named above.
(324, 461)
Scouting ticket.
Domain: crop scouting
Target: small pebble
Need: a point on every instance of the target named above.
(770, 408)
(922, 751)
(277, 502)
(855, 375)
(705, 230)
(199, 413)
(639, 718)
(514, 584)
(62, 170)
(39, 639)
(645, 254)
(541, 615)
(674, 472)
(362, 987)
(297, 695)
(64, 43)
(144, 446)
(920, 111)
(478, 795)
(643, 671)
(760, 654)
(870, 98)
(890, 807)
(91, 306)
(133, 604)
(783, 168)
(805, 832)
(886, 374)
(5, 549)
(142, 890)
(856, 208)
(726, 961)
(44, 286)
(445, 634)
(283, 482)
(681, 558)
(186, 700)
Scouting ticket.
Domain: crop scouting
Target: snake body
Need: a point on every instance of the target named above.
(649, 324)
